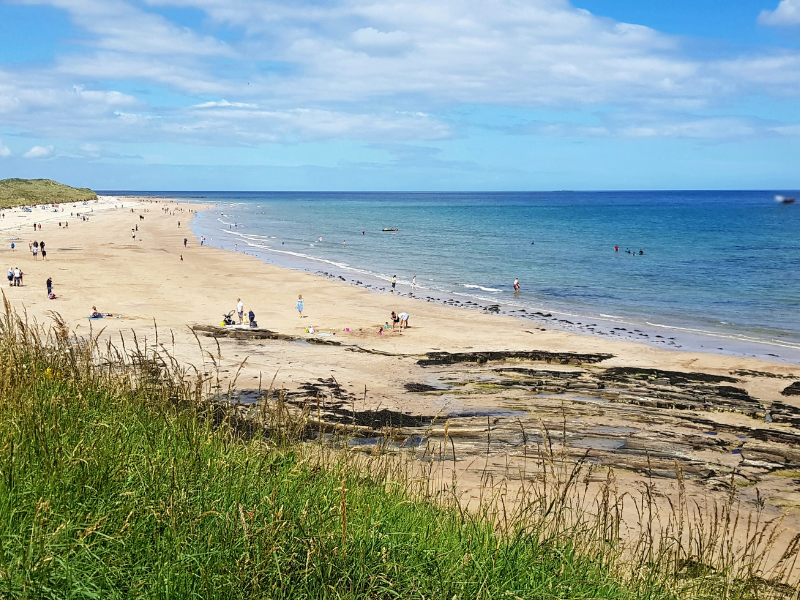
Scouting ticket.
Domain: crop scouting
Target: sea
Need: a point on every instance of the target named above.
(715, 271)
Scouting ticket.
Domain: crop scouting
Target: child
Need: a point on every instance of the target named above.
(300, 305)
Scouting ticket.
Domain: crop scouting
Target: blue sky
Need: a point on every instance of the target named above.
(402, 94)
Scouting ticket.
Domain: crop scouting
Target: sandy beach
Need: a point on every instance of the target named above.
(635, 407)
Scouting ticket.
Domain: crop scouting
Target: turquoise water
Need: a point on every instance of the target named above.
(715, 265)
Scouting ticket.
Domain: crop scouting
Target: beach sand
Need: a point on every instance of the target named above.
(706, 426)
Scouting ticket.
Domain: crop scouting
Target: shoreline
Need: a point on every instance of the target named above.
(603, 326)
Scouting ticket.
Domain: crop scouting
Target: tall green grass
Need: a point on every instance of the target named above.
(120, 479)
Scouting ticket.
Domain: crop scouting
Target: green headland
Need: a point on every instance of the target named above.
(21, 192)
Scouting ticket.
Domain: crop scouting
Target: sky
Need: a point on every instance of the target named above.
(401, 94)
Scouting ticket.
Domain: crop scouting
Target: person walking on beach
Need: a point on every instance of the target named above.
(240, 310)
(394, 282)
(300, 305)
(17, 277)
(413, 283)
(10, 276)
(516, 285)
(133, 234)
(184, 242)
(49, 286)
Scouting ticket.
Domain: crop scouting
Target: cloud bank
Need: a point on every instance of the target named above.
(261, 71)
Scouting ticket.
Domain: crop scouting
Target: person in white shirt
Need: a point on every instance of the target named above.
(240, 310)
(403, 316)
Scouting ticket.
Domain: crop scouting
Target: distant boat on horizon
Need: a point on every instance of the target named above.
(783, 200)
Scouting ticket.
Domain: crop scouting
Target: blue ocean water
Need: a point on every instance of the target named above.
(719, 265)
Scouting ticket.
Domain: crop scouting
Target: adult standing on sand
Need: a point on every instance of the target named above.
(10, 276)
(240, 310)
(394, 282)
(49, 286)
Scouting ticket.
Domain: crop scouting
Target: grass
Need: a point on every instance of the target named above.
(120, 479)
(23, 192)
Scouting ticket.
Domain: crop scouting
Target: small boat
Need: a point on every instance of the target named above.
(391, 229)
(783, 200)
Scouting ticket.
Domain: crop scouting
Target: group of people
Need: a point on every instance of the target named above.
(14, 276)
(413, 283)
(251, 316)
(35, 247)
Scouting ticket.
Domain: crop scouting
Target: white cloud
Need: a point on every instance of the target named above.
(39, 152)
(5, 151)
(787, 13)
(225, 103)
